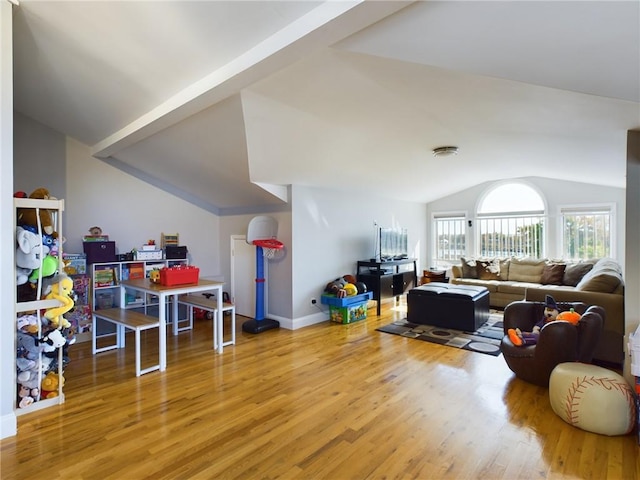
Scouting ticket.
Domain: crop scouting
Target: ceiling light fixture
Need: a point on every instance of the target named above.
(445, 151)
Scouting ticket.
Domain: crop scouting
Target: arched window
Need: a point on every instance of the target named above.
(512, 219)
(510, 222)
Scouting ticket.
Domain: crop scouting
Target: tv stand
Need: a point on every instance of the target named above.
(388, 279)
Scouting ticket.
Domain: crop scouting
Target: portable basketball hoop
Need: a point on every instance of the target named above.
(262, 232)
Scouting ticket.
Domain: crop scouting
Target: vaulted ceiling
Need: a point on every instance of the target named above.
(226, 103)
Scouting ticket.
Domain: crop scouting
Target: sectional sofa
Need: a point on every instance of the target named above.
(597, 282)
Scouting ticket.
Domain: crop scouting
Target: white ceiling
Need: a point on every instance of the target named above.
(225, 103)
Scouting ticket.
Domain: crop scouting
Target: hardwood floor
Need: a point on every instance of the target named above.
(324, 402)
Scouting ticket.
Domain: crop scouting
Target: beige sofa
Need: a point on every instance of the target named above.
(598, 282)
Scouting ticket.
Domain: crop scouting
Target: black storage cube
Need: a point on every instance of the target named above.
(175, 252)
(459, 307)
(100, 252)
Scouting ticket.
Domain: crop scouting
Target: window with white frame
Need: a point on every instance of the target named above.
(510, 222)
(587, 231)
(450, 238)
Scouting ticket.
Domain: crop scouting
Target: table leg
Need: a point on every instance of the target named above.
(219, 318)
(162, 331)
(174, 313)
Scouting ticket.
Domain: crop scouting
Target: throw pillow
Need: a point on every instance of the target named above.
(553, 274)
(574, 273)
(468, 268)
(488, 269)
(604, 277)
(526, 270)
(504, 268)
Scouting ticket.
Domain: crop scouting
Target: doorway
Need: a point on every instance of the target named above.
(243, 276)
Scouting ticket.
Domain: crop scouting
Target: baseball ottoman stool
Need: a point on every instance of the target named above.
(592, 398)
(446, 305)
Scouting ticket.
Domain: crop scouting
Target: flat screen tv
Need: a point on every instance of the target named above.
(393, 244)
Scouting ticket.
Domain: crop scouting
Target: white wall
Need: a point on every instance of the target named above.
(332, 231)
(8, 422)
(132, 212)
(557, 193)
(38, 164)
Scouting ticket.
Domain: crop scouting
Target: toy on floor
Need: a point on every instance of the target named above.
(551, 314)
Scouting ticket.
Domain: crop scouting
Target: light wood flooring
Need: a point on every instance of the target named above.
(324, 402)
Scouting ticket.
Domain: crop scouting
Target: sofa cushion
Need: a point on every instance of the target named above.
(553, 273)
(605, 277)
(491, 285)
(573, 273)
(468, 267)
(515, 288)
(526, 270)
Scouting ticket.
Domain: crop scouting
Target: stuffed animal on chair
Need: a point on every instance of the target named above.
(520, 338)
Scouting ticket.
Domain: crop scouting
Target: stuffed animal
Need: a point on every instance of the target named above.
(31, 364)
(28, 323)
(52, 341)
(520, 338)
(49, 267)
(29, 254)
(63, 292)
(27, 396)
(50, 384)
(28, 346)
(27, 216)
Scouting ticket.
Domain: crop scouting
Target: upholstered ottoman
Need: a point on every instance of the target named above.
(592, 398)
(460, 307)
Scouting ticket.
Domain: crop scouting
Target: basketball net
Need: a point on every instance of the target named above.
(269, 246)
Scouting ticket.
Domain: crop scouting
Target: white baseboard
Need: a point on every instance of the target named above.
(297, 323)
(8, 425)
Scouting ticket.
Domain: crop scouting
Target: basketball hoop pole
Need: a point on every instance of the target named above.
(259, 323)
(259, 283)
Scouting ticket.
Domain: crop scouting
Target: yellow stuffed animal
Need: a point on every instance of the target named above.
(50, 384)
(61, 291)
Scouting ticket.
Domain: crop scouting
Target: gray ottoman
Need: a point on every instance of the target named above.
(460, 307)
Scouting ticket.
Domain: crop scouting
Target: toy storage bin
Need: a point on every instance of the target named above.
(179, 275)
(348, 309)
(100, 252)
(105, 300)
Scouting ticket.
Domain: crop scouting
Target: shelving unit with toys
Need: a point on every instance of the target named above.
(43, 296)
(105, 286)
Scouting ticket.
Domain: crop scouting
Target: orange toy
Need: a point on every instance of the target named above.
(570, 316)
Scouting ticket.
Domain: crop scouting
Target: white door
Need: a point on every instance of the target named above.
(243, 276)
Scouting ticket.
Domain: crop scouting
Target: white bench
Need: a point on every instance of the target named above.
(122, 319)
(210, 305)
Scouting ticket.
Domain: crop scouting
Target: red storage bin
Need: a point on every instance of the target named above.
(179, 275)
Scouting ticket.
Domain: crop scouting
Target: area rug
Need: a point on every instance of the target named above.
(484, 340)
